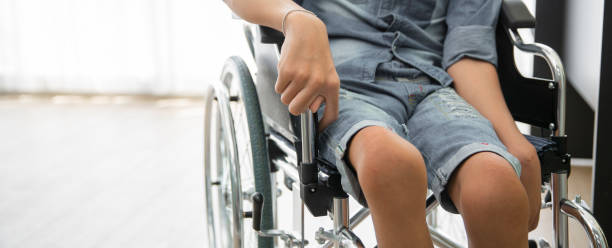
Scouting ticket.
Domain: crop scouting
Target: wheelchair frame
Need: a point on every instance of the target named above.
(321, 193)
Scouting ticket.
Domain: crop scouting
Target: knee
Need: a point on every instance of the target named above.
(531, 178)
(496, 193)
(381, 169)
(528, 158)
(387, 161)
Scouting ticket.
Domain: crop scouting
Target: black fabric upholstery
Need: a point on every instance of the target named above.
(530, 100)
(270, 36)
(544, 148)
(552, 155)
(541, 144)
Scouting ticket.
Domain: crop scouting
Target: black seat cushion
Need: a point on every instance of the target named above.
(552, 157)
(327, 167)
(546, 148)
(542, 144)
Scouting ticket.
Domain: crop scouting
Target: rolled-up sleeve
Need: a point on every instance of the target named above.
(470, 31)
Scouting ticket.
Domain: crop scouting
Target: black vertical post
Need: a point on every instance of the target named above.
(602, 176)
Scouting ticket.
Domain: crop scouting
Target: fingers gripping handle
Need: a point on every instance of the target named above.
(258, 200)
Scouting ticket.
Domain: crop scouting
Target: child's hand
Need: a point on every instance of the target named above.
(306, 73)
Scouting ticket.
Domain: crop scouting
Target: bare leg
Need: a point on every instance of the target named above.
(491, 200)
(531, 179)
(393, 178)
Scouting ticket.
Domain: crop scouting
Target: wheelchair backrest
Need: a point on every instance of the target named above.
(276, 115)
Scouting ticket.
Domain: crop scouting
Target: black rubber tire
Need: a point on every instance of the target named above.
(259, 150)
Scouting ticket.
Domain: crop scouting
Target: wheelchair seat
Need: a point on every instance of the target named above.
(547, 150)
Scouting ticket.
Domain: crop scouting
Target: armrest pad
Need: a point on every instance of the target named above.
(514, 14)
(270, 35)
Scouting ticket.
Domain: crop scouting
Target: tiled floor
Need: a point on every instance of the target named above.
(118, 172)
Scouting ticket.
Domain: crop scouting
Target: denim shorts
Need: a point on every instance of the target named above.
(435, 119)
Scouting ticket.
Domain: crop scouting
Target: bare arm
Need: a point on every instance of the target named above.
(306, 73)
(263, 12)
(476, 81)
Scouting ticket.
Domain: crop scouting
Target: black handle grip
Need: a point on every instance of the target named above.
(514, 14)
(258, 201)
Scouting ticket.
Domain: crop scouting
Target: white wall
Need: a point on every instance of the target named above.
(583, 42)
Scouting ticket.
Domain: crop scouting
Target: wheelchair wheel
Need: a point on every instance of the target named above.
(236, 160)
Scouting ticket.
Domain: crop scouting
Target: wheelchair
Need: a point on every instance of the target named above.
(253, 147)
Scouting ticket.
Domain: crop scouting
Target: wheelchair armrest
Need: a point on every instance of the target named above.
(545, 105)
(270, 35)
(514, 14)
(530, 100)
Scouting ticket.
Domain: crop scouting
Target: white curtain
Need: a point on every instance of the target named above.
(159, 47)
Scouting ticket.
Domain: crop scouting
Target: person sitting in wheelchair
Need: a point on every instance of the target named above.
(409, 98)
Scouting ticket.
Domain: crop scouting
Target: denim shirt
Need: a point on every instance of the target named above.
(429, 35)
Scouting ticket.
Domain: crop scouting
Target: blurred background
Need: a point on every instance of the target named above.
(101, 117)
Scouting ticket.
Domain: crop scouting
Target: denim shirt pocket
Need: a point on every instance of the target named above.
(419, 11)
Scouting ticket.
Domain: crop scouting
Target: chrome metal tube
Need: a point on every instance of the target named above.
(230, 138)
(307, 136)
(589, 223)
(289, 169)
(352, 238)
(361, 215)
(332, 239)
(340, 214)
(431, 203)
(208, 103)
(307, 133)
(556, 68)
(275, 194)
(287, 148)
(296, 202)
(558, 189)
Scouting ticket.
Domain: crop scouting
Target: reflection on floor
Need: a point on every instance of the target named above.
(115, 171)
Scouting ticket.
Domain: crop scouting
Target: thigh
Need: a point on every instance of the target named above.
(447, 130)
(356, 112)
